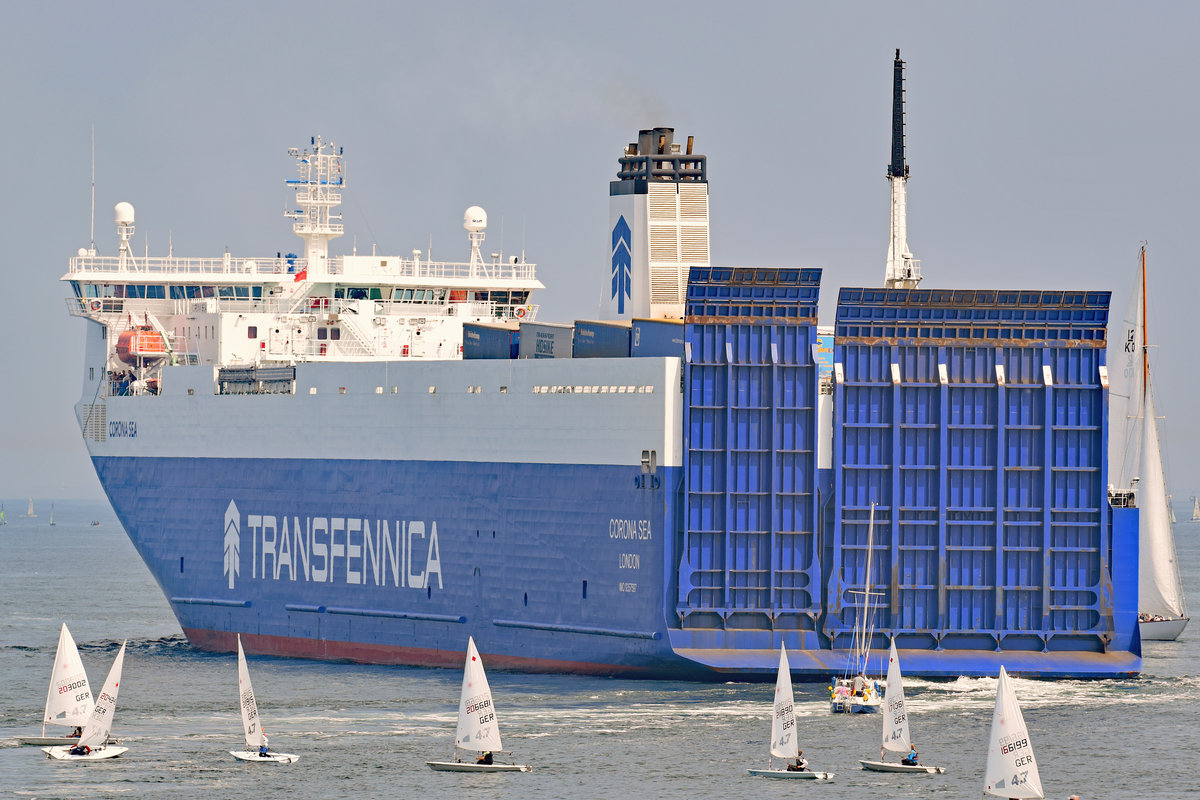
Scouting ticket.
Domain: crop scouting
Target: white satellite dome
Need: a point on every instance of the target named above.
(124, 213)
(475, 219)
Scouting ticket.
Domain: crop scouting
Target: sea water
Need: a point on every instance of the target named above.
(366, 731)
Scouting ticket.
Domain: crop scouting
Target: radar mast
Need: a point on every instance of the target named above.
(903, 271)
(318, 191)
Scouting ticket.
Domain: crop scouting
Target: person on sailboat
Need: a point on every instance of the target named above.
(486, 758)
(801, 764)
(80, 750)
(75, 734)
(263, 750)
(913, 758)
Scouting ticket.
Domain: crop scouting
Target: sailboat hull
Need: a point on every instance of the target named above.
(1162, 630)
(48, 741)
(890, 766)
(457, 766)
(806, 775)
(270, 758)
(855, 705)
(99, 754)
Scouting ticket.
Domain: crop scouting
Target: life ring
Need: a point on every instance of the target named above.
(520, 313)
(94, 305)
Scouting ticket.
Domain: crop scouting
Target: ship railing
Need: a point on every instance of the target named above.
(162, 265)
(402, 268)
(416, 269)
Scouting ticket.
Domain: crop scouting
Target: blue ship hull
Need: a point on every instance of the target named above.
(550, 567)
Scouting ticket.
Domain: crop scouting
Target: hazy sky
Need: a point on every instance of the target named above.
(1046, 141)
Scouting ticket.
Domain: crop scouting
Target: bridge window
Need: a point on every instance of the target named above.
(177, 293)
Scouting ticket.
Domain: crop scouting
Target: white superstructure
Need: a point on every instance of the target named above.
(277, 311)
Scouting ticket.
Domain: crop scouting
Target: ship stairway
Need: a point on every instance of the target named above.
(358, 344)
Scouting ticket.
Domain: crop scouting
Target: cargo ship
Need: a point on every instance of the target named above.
(372, 458)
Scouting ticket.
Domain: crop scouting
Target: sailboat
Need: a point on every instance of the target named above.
(256, 737)
(478, 730)
(854, 692)
(3, 521)
(785, 743)
(52, 515)
(1195, 510)
(69, 698)
(1135, 466)
(29, 513)
(1011, 770)
(93, 744)
(896, 736)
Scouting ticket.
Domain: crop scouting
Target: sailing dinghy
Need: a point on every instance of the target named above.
(93, 744)
(854, 692)
(478, 730)
(896, 736)
(1011, 769)
(785, 743)
(256, 738)
(69, 699)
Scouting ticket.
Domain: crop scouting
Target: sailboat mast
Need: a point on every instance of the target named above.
(864, 648)
(1145, 335)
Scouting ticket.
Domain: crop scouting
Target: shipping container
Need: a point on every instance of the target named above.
(601, 339)
(481, 340)
(652, 338)
(545, 340)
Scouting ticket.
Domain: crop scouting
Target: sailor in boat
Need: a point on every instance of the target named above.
(75, 734)
(486, 758)
(80, 750)
(801, 764)
(263, 750)
(913, 758)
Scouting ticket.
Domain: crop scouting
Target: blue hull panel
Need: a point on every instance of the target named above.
(550, 567)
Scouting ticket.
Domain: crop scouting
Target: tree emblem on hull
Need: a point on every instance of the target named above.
(622, 264)
(233, 542)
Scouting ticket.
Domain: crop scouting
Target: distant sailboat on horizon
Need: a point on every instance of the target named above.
(29, 513)
(1195, 510)
(52, 515)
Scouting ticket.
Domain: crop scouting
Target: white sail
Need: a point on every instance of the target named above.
(1126, 372)
(1159, 589)
(99, 725)
(1195, 509)
(477, 727)
(784, 743)
(1011, 768)
(69, 700)
(251, 725)
(895, 718)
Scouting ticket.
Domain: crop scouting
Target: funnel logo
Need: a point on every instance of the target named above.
(233, 542)
(622, 264)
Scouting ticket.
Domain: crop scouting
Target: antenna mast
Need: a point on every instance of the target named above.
(92, 246)
(903, 271)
